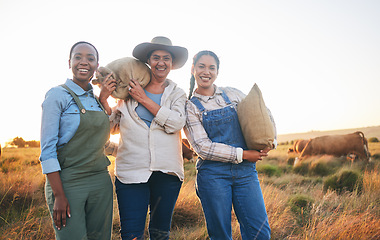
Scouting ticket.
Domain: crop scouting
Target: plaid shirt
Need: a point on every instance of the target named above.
(197, 135)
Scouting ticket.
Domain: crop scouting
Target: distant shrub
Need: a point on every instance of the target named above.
(268, 169)
(286, 168)
(321, 168)
(302, 168)
(318, 165)
(373, 139)
(301, 205)
(345, 180)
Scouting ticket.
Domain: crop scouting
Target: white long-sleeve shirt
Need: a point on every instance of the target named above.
(143, 150)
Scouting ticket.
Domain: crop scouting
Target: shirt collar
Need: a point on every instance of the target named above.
(203, 98)
(77, 89)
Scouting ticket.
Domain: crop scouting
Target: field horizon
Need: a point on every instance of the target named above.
(371, 131)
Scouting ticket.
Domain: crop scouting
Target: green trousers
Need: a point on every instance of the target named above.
(91, 206)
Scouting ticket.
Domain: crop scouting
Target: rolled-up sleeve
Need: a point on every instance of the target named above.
(172, 116)
(51, 113)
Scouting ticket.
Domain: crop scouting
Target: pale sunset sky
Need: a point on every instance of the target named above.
(317, 63)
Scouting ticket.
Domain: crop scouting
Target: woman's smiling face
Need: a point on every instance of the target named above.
(83, 63)
(205, 72)
(161, 63)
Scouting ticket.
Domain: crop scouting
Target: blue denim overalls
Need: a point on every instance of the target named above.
(221, 185)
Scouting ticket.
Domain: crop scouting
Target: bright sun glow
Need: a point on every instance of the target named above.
(316, 62)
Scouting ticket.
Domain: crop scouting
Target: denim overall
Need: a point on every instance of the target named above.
(220, 185)
(85, 179)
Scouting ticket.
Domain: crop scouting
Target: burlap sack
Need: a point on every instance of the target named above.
(255, 122)
(124, 69)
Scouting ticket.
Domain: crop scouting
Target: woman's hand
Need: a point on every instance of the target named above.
(61, 209)
(254, 156)
(107, 87)
(136, 91)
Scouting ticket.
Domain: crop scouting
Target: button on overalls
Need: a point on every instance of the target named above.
(220, 185)
(85, 178)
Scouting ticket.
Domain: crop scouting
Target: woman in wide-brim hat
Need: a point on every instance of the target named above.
(144, 50)
(149, 164)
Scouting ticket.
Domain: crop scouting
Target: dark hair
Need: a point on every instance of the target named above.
(80, 42)
(195, 60)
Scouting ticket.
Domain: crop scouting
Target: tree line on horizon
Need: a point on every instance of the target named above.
(21, 143)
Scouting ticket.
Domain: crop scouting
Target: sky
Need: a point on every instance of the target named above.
(317, 63)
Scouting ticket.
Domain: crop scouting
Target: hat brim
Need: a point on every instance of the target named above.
(179, 54)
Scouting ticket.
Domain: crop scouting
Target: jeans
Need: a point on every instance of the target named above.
(223, 185)
(160, 194)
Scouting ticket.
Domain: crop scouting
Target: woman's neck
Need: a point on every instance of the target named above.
(82, 84)
(206, 91)
(156, 87)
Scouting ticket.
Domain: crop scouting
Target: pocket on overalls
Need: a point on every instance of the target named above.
(220, 129)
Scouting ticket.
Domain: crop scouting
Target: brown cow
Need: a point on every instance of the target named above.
(338, 145)
(187, 150)
(292, 148)
(298, 146)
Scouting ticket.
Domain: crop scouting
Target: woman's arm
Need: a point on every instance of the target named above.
(200, 141)
(172, 116)
(61, 205)
(52, 108)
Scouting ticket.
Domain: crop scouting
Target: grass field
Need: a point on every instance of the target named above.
(324, 198)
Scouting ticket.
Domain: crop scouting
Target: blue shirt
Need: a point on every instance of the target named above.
(144, 113)
(60, 121)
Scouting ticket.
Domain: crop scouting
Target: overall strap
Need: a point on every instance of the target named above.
(197, 103)
(101, 106)
(225, 97)
(76, 99)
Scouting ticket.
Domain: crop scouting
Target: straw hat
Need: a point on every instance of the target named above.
(178, 53)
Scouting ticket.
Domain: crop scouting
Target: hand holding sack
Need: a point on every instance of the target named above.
(255, 122)
(123, 70)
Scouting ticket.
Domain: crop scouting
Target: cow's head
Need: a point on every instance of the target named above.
(366, 151)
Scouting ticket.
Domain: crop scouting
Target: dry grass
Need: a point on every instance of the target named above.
(23, 213)
(349, 215)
